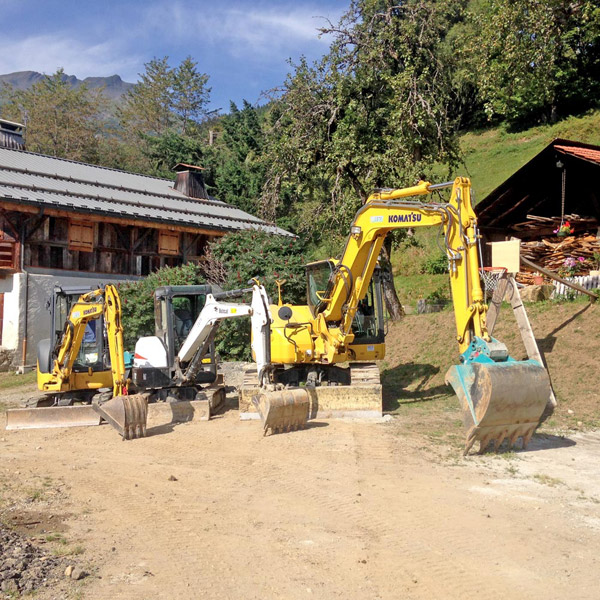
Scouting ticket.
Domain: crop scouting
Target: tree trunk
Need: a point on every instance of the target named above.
(390, 296)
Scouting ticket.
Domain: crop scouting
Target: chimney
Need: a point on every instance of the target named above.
(190, 181)
(11, 135)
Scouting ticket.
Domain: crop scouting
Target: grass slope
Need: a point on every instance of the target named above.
(421, 348)
(493, 155)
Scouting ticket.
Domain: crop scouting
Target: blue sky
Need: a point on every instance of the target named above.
(242, 45)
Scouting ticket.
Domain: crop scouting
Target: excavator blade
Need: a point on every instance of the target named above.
(127, 414)
(52, 416)
(282, 410)
(500, 400)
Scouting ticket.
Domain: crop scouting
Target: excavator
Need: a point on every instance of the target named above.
(72, 368)
(342, 322)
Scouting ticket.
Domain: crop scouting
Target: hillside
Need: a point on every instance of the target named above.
(421, 348)
(493, 155)
(114, 86)
(490, 157)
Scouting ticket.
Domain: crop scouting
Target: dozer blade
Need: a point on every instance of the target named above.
(282, 410)
(53, 416)
(502, 400)
(127, 414)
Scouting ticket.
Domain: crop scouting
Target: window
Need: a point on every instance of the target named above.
(168, 242)
(81, 236)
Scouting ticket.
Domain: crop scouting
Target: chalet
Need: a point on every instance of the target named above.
(70, 223)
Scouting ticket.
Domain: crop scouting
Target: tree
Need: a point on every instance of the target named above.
(372, 113)
(190, 94)
(237, 160)
(531, 60)
(60, 120)
(161, 114)
(235, 259)
(148, 107)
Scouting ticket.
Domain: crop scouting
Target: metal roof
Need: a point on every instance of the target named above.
(62, 184)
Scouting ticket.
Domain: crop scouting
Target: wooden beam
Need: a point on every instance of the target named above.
(51, 212)
(508, 284)
(555, 276)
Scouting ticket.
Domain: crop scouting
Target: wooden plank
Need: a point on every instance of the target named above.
(526, 331)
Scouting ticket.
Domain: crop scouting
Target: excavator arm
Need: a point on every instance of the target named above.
(386, 211)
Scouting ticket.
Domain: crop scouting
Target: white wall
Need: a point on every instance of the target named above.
(40, 283)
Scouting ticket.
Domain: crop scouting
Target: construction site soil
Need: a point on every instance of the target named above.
(343, 509)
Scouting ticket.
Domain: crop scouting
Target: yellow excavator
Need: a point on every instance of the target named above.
(75, 369)
(343, 322)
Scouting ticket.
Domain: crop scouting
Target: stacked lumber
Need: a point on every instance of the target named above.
(536, 227)
(552, 253)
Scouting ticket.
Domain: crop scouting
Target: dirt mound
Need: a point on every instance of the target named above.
(23, 566)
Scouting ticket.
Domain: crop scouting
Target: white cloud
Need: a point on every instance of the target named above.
(262, 30)
(46, 53)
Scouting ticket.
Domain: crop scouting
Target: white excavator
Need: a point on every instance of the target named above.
(178, 362)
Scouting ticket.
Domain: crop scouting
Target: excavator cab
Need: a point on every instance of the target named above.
(176, 308)
(368, 323)
(92, 354)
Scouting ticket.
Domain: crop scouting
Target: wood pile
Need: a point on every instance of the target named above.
(552, 253)
(541, 245)
(536, 227)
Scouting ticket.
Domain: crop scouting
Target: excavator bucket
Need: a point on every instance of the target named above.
(127, 414)
(500, 400)
(283, 410)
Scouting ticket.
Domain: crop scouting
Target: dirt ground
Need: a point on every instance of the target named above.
(342, 509)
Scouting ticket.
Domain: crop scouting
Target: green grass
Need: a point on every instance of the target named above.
(493, 155)
(11, 380)
(547, 480)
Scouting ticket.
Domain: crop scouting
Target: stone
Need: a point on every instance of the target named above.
(173, 478)
(9, 586)
(536, 293)
(68, 571)
(78, 573)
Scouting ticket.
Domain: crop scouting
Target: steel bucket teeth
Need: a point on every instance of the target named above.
(500, 400)
(284, 410)
(127, 414)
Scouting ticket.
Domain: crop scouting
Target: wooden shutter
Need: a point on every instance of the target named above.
(81, 236)
(168, 242)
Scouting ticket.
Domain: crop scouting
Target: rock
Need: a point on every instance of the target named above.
(9, 586)
(68, 571)
(569, 411)
(173, 478)
(536, 293)
(78, 573)
(425, 307)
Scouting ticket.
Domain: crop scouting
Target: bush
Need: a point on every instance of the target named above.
(435, 265)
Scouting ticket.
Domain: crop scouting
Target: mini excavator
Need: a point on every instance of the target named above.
(342, 322)
(81, 368)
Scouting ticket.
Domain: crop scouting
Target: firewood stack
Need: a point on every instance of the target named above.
(550, 251)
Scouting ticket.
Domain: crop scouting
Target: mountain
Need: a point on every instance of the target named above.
(114, 86)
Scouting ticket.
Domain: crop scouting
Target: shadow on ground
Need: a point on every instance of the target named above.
(411, 382)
